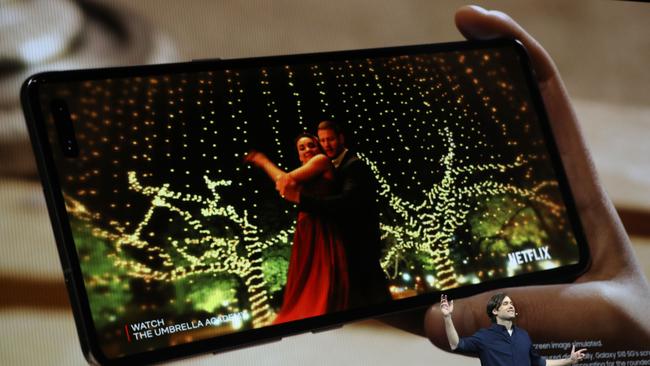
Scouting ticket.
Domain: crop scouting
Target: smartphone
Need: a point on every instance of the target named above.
(204, 206)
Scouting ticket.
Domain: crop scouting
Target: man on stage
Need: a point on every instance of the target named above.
(502, 343)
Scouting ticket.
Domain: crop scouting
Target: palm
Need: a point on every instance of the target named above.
(447, 309)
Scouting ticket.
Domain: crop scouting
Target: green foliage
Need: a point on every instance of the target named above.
(275, 265)
(425, 260)
(495, 246)
(275, 272)
(106, 285)
(206, 293)
(504, 223)
(528, 229)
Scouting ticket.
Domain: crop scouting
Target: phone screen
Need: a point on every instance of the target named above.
(452, 182)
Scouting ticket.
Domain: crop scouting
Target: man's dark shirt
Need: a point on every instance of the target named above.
(496, 347)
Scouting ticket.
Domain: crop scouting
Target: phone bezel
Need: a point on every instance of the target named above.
(70, 262)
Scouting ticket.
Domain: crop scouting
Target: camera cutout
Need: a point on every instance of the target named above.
(64, 129)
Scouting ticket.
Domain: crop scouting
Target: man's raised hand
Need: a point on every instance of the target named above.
(446, 307)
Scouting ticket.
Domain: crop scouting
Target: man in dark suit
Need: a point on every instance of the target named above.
(355, 210)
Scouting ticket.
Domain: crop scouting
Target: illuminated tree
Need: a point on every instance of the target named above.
(238, 254)
(430, 226)
(447, 136)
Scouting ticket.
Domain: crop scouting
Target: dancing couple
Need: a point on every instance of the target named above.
(334, 262)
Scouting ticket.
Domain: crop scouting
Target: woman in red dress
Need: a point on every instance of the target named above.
(317, 281)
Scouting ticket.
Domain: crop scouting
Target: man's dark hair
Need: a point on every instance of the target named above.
(330, 125)
(494, 303)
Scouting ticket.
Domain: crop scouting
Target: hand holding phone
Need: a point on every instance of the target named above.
(444, 177)
(608, 301)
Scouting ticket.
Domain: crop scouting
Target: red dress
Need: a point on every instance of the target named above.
(317, 280)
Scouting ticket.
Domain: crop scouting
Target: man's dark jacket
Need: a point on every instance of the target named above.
(355, 211)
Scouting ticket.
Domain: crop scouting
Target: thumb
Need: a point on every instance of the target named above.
(475, 22)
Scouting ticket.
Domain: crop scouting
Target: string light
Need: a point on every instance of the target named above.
(446, 137)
